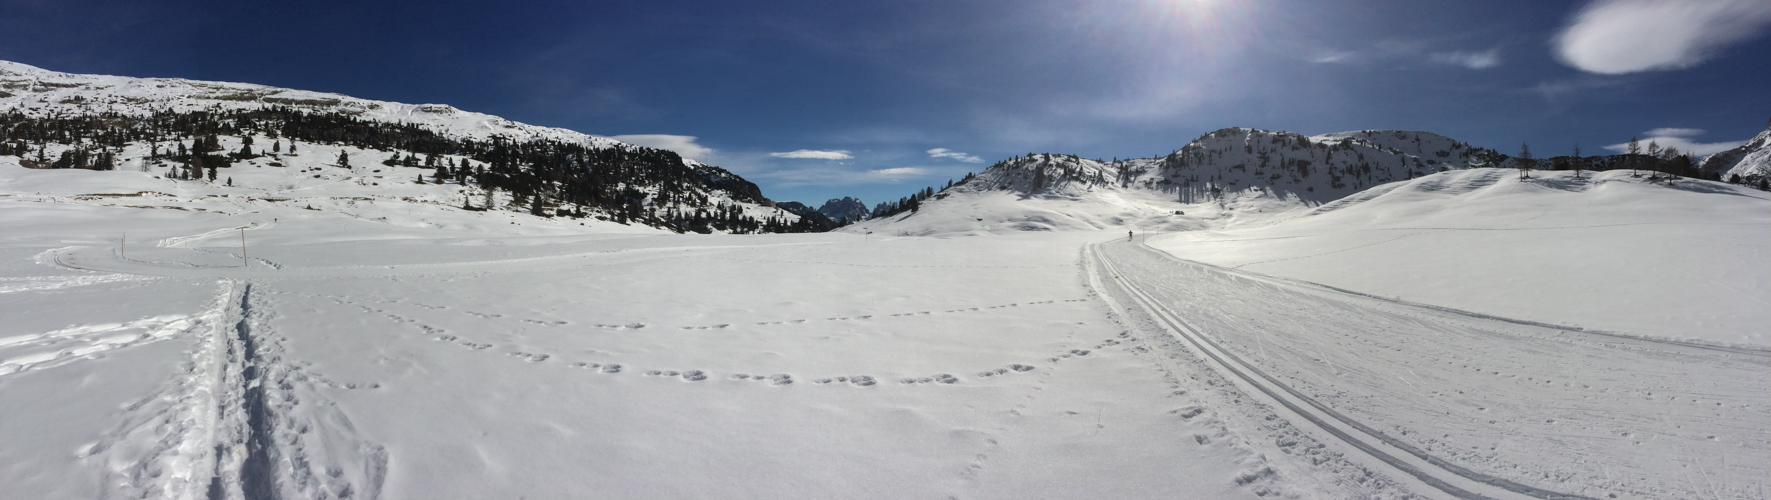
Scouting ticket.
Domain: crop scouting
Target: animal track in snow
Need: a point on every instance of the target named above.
(857, 380)
(895, 314)
(1014, 368)
(942, 378)
(776, 379)
(533, 358)
(1073, 352)
(601, 368)
(686, 375)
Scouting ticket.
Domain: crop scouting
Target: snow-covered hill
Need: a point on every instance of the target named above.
(1604, 251)
(1230, 176)
(315, 147)
(1750, 162)
(42, 92)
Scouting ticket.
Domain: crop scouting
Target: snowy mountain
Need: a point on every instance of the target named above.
(1751, 161)
(40, 92)
(844, 209)
(807, 215)
(185, 130)
(1230, 173)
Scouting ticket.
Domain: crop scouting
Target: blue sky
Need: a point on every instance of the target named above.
(820, 99)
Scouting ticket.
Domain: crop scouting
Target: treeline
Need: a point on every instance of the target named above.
(1657, 162)
(627, 184)
(913, 202)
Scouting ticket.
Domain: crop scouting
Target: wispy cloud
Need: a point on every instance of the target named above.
(815, 154)
(1678, 138)
(1329, 56)
(1560, 89)
(948, 153)
(1674, 132)
(897, 173)
(1627, 36)
(1472, 60)
(682, 144)
(1411, 51)
(825, 176)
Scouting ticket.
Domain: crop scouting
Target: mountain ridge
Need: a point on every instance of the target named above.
(104, 122)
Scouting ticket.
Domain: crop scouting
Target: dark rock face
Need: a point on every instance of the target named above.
(846, 208)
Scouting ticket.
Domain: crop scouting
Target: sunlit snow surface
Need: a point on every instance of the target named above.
(406, 349)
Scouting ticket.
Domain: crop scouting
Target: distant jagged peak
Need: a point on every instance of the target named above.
(845, 209)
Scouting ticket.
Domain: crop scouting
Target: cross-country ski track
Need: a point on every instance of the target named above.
(1319, 389)
(1413, 391)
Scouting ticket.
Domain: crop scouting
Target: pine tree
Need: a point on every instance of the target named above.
(344, 159)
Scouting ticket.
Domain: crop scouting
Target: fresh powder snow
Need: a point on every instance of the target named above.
(1372, 314)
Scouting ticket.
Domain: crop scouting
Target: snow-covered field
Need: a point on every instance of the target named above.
(393, 348)
(1605, 252)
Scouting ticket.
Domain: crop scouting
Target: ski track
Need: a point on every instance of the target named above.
(1410, 387)
(1229, 417)
(1359, 396)
(240, 422)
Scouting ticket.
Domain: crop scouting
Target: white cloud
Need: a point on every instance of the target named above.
(815, 154)
(1627, 36)
(1576, 88)
(948, 153)
(1326, 56)
(1674, 132)
(1472, 60)
(1678, 138)
(896, 173)
(682, 144)
(827, 176)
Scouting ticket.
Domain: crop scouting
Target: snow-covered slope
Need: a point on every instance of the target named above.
(1606, 251)
(466, 160)
(1231, 176)
(1750, 161)
(38, 91)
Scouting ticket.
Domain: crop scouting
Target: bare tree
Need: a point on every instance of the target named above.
(1576, 162)
(1654, 156)
(1635, 153)
(1525, 161)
